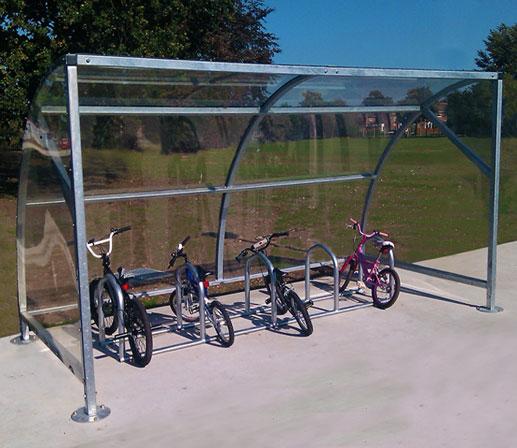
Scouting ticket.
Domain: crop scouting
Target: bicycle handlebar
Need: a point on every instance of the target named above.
(262, 243)
(109, 239)
(178, 252)
(357, 226)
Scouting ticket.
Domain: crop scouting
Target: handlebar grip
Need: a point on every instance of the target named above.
(185, 241)
(120, 229)
(385, 235)
(353, 221)
(286, 233)
(173, 260)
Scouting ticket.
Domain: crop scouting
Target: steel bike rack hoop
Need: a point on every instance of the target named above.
(335, 266)
(271, 270)
(189, 268)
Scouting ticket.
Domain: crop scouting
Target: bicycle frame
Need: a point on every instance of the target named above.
(369, 269)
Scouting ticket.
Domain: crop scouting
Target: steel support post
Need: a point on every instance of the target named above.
(497, 112)
(90, 412)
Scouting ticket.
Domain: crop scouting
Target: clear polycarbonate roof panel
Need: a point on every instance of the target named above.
(175, 88)
(334, 91)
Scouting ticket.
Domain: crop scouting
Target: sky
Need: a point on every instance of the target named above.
(434, 34)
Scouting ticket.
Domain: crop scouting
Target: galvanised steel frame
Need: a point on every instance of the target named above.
(75, 198)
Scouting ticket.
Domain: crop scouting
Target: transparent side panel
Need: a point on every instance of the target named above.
(157, 226)
(508, 198)
(305, 146)
(46, 240)
(431, 200)
(125, 154)
(316, 213)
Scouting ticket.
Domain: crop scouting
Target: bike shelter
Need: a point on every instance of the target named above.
(122, 138)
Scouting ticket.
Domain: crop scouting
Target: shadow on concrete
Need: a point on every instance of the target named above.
(430, 295)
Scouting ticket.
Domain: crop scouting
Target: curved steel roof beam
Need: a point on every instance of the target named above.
(380, 163)
(382, 159)
(451, 88)
(244, 142)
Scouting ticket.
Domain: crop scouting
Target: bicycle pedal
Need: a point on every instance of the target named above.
(309, 303)
(268, 301)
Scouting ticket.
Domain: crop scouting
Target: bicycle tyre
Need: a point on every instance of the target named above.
(348, 276)
(226, 340)
(393, 292)
(186, 315)
(299, 311)
(138, 329)
(109, 306)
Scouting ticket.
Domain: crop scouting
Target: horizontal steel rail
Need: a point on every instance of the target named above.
(206, 190)
(163, 110)
(53, 309)
(268, 69)
(66, 357)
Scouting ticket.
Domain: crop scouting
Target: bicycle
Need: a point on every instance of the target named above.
(384, 284)
(107, 312)
(189, 306)
(286, 297)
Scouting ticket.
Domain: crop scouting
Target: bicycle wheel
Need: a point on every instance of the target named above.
(386, 291)
(109, 305)
(139, 332)
(347, 276)
(222, 323)
(189, 304)
(298, 309)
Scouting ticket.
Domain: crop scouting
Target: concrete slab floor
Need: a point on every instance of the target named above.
(429, 372)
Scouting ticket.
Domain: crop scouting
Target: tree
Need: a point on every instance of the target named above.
(377, 98)
(35, 34)
(500, 55)
(500, 52)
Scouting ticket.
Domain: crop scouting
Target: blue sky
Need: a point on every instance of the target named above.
(373, 33)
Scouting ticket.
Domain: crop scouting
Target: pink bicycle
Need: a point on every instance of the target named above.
(384, 283)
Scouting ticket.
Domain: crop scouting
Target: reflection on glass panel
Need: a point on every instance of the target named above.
(431, 199)
(174, 88)
(148, 153)
(355, 91)
(316, 145)
(47, 229)
(316, 213)
(50, 276)
(157, 226)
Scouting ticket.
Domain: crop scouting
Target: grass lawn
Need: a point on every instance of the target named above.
(430, 198)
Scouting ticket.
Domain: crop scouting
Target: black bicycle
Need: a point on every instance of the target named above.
(106, 296)
(189, 306)
(286, 297)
